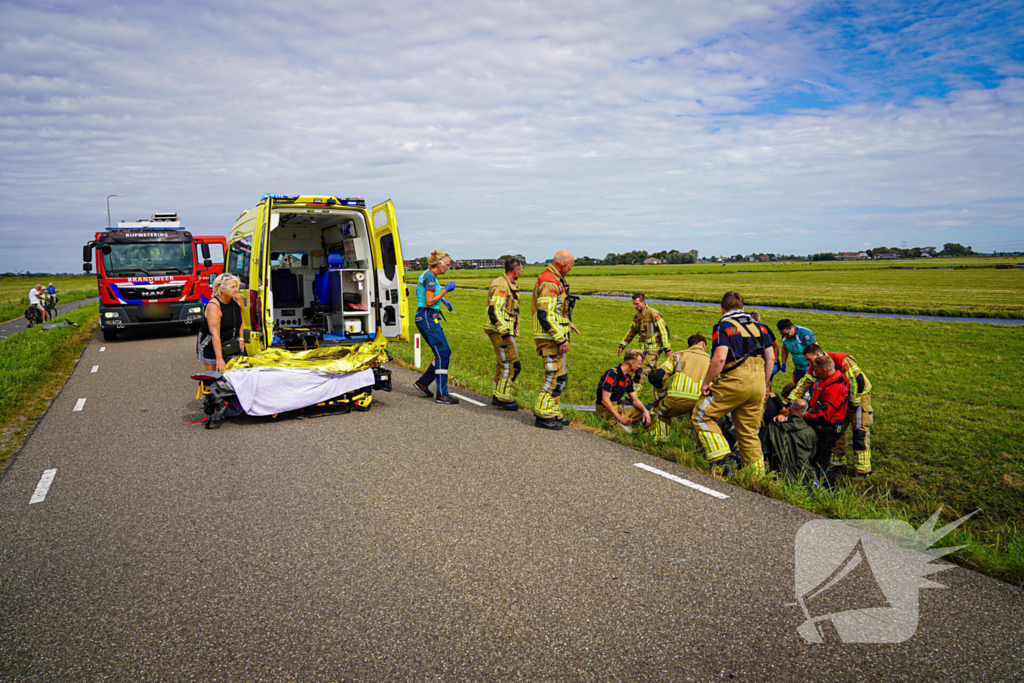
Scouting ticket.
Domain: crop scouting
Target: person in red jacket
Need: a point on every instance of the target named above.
(827, 413)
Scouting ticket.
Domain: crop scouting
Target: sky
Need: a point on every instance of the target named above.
(726, 126)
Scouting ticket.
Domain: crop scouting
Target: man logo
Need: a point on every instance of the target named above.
(861, 577)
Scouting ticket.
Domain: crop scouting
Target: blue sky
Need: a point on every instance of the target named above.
(605, 126)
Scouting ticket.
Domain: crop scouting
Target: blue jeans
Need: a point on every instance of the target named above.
(428, 322)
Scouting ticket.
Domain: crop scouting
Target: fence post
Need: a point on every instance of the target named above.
(416, 353)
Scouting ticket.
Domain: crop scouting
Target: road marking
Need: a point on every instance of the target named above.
(467, 399)
(39, 495)
(103, 348)
(79, 405)
(684, 482)
(95, 368)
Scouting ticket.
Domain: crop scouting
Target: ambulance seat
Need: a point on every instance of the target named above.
(327, 284)
(285, 286)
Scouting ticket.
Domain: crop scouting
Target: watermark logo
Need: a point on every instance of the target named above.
(860, 578)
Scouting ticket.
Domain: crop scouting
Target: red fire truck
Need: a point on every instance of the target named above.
(153, 273)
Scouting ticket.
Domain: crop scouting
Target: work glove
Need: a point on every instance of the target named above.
(450, 287)
(782, 368)
(447, 304)
(621, 349)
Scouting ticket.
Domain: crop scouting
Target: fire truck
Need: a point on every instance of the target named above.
(153, 273)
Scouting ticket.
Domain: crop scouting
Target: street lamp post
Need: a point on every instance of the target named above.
(108, 206)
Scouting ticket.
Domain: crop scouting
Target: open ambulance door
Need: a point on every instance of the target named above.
(261, 312)
(392, 301)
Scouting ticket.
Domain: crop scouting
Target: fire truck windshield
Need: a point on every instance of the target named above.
(147, 257)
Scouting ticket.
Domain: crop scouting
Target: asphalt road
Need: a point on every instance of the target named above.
(18, 324)
(413, 542)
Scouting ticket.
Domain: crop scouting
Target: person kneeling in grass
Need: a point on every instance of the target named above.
(618, 382)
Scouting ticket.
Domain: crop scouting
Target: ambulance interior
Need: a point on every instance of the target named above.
(320, 278)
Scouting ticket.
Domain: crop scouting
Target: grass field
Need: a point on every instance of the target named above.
(14, 292)
(948, 401)
(34, 365)
(975, 287)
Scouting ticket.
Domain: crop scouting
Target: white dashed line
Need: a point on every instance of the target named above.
(684, 482)
(95, 368)
(103, 348)
(79, 405)
(467, 399)
(39, 495)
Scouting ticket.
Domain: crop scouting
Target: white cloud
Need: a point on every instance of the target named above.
(497, 127)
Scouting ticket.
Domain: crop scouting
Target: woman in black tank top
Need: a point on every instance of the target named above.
(223, 322)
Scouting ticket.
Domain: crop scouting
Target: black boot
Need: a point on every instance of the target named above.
(504, 405)
(548, 423)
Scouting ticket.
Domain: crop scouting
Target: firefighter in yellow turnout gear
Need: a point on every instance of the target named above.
(551, 328)
(678, 382)
(651, 331)
(502, 328)
(859, 415)
(737, 382)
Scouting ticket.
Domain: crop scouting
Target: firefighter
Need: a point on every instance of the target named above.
(617, 383)
(551, 327)
(827, 414)
(503, 327)
(650, 328)
(679, 378)
(737, 381)
(859, 416)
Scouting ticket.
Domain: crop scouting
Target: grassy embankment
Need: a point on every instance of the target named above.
(14, 292)
(948, 401)
(34, 365)
(974, 288)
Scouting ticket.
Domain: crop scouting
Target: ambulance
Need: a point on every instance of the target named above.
(318, 270)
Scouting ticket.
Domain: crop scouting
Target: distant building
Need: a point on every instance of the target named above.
(887, 257)
(764, 257)
(853, 256)
(925, 254)
(409, 263)
(481, 263)
(653, 261)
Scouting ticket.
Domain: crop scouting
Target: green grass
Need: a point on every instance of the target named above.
(34, 365)
(974, 288)
(948, 401)
(14, 291)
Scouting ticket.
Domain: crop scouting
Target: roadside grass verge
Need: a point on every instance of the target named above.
(34, 365)
(948, 401)
(961, 292)
(14, 292)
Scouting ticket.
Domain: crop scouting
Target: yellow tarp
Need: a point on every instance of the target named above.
(337, 359)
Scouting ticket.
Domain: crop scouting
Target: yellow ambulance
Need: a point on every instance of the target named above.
(317, 271)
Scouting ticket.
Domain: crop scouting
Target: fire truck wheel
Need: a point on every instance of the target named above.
(109, 335)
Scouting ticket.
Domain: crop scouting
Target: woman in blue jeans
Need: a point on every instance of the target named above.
(429, 297)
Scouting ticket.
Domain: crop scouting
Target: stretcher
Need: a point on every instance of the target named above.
(277, 383)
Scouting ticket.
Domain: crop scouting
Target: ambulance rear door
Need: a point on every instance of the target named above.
(391, 299)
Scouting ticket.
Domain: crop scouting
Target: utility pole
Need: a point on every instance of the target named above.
(108, 206)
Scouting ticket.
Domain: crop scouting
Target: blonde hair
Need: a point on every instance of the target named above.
(221, 280)
(632, 354)
(437, 256)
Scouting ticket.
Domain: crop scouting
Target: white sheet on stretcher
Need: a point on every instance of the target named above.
(268, 391)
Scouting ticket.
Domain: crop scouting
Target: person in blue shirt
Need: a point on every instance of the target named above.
(794, 340)
(429, 297)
